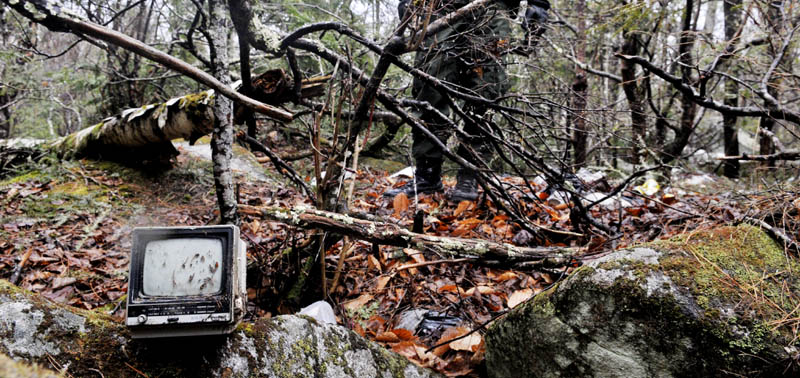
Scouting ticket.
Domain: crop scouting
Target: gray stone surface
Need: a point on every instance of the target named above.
(35, 330)
(624, 315)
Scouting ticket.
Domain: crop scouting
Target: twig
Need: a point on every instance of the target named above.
(426, 263)
(136, 370)
(18, 269)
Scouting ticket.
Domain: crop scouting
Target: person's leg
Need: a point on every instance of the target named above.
(488, 79)
(425, 150)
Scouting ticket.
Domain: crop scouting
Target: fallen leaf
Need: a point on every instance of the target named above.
(462, 206)
(448, 334)
(382, 282)
(506, 276)
(400, 203)
(414, 255)
(373, 263)
(60, 282)
(357, 303)
(403, 334)
(468, 343)
(669, 199)
(518, 297)
(406, 349)
(484, 290)
(387, 337)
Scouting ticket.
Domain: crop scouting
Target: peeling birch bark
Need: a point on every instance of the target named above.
(188, 117)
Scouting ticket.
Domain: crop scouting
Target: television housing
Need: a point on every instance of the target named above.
(186, 281)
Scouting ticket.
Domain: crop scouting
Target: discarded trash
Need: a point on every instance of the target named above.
(649, 187)
(321, 311)
(405, 172)
(426, 323)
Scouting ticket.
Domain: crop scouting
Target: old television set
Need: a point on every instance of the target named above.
(186, 281)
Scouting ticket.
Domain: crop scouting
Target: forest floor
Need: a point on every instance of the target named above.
(65, 233)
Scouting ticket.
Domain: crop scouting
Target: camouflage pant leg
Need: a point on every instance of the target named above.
(470, 57)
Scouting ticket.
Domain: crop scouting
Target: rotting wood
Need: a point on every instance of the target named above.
(275, 87)
(394, 235)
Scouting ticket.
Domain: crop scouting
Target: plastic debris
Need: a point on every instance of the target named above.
(649, 187)
(321, 311)
(427, 323)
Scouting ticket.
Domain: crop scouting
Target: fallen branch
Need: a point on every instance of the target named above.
(394, 235)
(57, 18)
(787, 155)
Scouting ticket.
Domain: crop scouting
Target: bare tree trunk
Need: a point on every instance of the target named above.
(580, 91)
(688, 106)
(222, 139)
(733, 16)
(775, 24)
(241, 13)
(635, 96)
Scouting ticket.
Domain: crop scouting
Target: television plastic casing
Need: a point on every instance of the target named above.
(187, 315)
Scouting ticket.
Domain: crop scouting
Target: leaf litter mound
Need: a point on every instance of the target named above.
(65, 233)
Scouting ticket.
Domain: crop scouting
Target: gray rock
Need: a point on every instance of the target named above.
(676, 309)
(35, 330)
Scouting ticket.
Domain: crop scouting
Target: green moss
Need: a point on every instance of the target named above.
(737, 275)
(28, 176)
(73, 188)
(96, 129)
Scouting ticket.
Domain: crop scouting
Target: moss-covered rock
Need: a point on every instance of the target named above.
(708, 303)
(84, 343)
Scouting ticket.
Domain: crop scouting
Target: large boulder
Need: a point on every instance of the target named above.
(709, 303)
(82, 344)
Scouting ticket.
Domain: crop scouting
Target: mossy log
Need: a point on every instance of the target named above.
(81, 343)
(392, 234)
(150, 127)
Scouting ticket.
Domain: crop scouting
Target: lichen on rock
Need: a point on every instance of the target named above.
(35, 330)
(699, 304)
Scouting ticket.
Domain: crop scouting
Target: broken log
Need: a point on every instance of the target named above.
(84, 343)
(275, 87)
(394, 235)
(150, 128)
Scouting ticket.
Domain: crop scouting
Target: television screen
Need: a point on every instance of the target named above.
(186, 281)
(182, 267)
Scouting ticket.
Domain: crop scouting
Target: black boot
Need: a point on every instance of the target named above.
(466, 188)
(428, 179)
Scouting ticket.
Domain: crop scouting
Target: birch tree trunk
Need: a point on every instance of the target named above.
(135, 132)
(222, 136)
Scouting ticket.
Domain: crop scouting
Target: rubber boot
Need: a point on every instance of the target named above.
(428, 179)
(466, 188)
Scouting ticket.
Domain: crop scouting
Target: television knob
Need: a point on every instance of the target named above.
(142, 319)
